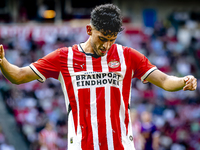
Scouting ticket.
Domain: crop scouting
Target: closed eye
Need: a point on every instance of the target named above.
(103, 39)
(112, 40)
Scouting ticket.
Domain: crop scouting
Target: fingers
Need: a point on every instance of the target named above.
(191, 83)
(189, 88)
(1, 47)
(186, 79)
(1, 51)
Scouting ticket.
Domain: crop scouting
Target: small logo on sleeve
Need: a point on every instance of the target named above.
(113, 64)
(71, 140)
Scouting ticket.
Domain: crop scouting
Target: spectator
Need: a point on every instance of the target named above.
(48, 138)
(149, 132)
(136, 129)
(6, 146)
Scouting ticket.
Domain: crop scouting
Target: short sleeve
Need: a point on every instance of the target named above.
(141, 66)
(48, 66)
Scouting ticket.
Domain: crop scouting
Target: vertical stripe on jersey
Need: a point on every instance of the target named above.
(100, 100)
(115, 119)
(85, 119)
(93, 106)
(75, 91)
(130, 124)
(107, 103)
(89, 66)
(122, 105)
(121, 59)
(125, 101)
(122, 117)
(108, 119)
(130, 133)
(100, 95)
(96, 64)
(62, 82)
(71, 131)
(104, 64)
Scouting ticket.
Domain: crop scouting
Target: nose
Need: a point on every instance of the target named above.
(107, 45)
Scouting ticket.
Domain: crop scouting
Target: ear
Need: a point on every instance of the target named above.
(89, 29)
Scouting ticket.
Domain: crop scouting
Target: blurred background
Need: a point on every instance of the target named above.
(33, 115)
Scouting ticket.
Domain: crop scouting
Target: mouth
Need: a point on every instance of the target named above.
(103, 50)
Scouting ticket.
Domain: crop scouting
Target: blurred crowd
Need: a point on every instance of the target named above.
(161, 120)
(174, 50)
(4, 144)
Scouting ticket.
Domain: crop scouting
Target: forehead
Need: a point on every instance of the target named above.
(106, 35)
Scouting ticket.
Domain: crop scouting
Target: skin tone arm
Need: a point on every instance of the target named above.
(172, 83)
(13, 73)
(155, 142)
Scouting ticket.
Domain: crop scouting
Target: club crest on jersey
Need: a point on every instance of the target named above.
(113, 64)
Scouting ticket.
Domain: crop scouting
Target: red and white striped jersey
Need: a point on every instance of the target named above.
(98, 91)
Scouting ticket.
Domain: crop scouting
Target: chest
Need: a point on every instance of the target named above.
(87, 71)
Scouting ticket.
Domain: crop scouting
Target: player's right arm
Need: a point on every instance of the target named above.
(13, 73)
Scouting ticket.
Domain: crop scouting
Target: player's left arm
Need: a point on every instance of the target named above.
(172, 83)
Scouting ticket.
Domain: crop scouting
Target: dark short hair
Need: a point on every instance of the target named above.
(107, 19)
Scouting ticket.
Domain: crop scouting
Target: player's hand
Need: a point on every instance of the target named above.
(190, 83)
(1, 53)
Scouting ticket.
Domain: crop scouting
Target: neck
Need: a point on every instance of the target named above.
(86, 46)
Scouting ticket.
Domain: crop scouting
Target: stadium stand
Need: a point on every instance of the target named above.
(173, 50)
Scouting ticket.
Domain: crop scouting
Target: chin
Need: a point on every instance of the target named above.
(101, 54)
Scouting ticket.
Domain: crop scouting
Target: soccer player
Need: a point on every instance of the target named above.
(96, 81)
